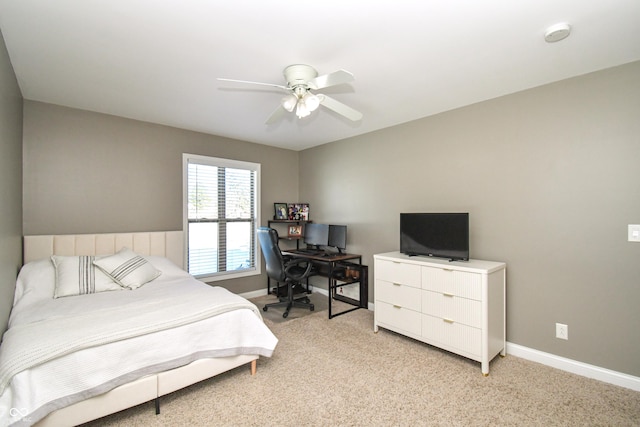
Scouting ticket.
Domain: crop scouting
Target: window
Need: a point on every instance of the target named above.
(221, 216)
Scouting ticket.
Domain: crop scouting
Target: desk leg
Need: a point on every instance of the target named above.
(330, 287)
(363, 280)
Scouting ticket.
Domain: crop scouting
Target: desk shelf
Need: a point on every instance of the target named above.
(335, 267)
(329, 267)
(345, 274)
(283, 233)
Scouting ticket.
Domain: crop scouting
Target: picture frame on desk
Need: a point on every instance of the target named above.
(295, 231)
(298, 211)
(281, 211)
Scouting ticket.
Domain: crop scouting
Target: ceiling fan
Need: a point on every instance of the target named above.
(301, 80)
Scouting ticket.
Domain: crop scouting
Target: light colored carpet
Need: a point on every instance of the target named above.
(320, 302)
(339, 373)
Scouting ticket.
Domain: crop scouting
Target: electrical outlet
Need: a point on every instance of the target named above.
(562, 331)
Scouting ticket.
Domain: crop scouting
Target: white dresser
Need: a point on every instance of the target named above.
(458, 306)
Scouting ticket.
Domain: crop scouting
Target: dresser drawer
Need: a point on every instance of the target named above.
(399, 319)
(450, 307)
(459, 306)
(452, 336)
(396, 272)
(398, 294)
(458, 283)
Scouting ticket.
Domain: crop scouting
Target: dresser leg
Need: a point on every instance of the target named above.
(485, 368)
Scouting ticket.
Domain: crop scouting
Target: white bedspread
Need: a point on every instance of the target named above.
(93, 343)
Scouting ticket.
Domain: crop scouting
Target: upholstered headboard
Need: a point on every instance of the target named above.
(169, 244)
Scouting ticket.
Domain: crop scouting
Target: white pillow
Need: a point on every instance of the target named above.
(36, 281)
(77, 275)
(128, 268)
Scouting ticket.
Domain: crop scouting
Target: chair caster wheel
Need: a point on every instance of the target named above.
(307, 300)
(286, 314)
(265, 308)
(312, 308)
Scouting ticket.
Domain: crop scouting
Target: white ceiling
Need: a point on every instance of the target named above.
(158, 61)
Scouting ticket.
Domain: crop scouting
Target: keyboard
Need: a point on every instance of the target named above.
(315, 252)
(309, 252)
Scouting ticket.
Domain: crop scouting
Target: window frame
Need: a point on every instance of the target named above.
(225, 163)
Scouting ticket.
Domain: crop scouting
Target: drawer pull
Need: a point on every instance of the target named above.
(448, 320)
(397, 306)
(447, 269)
(397, 284)
(448, 295)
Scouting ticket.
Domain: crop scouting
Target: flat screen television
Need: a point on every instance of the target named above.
(316, 234)
(442, 235)
(338, 237)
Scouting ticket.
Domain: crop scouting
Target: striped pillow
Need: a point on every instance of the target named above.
(127, 268)
(77, 275)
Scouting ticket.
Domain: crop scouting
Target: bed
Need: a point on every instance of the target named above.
(75, 353)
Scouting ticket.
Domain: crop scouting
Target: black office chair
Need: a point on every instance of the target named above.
(291, 272)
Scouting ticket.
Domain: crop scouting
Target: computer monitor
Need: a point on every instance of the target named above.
(338, 237)
(316, 234)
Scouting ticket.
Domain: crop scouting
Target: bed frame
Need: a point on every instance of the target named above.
(169, 244)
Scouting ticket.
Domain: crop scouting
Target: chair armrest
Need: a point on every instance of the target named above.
(296, 263)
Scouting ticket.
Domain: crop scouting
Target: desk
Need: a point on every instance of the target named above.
(340, 270)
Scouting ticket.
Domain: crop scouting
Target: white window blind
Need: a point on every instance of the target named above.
(221, 217)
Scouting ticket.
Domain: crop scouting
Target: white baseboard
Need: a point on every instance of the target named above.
(326, 293)
(254, 294)
(262, 292)
(548, 359)
(575, 367)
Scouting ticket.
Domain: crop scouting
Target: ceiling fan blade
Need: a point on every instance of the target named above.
(331, 79)
(340, 108)
(276, 115)
(254, 83)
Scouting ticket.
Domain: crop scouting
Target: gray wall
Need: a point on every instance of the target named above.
(10, 183)
(551, 179)
(86, 172)
(549, 176)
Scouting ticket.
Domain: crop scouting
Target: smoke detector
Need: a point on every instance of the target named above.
(557, 32)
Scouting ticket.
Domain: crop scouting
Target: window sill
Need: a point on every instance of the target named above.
(229, 275)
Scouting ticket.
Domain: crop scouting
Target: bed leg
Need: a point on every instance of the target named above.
(254, 365)
(157, 405)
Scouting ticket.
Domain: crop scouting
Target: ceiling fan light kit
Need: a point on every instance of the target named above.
(301, 79)
(311, 101)
(302, 100)
(289, 102)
